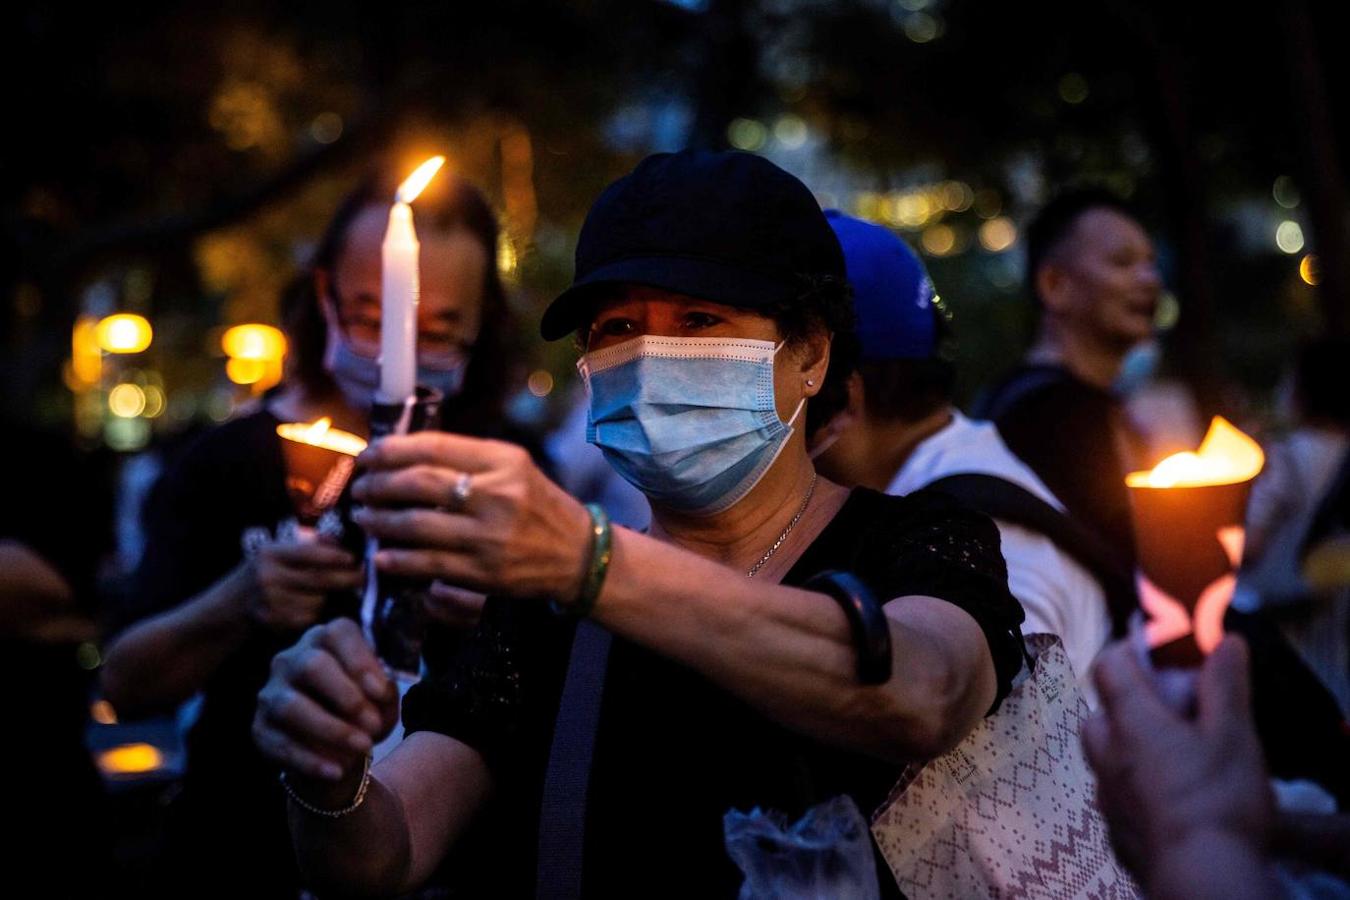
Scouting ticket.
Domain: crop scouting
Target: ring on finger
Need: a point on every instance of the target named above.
(460, 491)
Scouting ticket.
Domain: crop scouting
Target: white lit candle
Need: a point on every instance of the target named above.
(399, 290)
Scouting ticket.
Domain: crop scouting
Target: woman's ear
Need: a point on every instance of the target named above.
(814, 356)
(842, 421)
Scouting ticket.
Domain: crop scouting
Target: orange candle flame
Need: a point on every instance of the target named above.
(1226, 456)
(419, 179)
(130, 759)
(321, 433)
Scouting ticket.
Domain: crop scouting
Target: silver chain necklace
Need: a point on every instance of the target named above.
(786, 531)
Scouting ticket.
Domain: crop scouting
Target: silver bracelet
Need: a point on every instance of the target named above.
(331, 813)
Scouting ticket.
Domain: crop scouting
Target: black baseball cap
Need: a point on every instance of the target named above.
(728, 227)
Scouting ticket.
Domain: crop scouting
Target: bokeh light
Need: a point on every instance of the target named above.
(790, 132)
(245, 371)
(253, 342)
(326, 127)
(1285, 192)
(540, 383)
(998, 234)
(126, 400)
(940, 240)
(1309, 269)
(747, 134)
(1073, 88)
(1289, 236)
(922, 28)
(124, 333)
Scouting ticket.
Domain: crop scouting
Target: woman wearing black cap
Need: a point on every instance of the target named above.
(571, 759)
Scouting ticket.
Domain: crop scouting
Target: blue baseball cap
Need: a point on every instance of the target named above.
(897, 308)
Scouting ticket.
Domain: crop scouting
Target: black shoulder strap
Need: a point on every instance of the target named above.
(999, 498)
(1007, 395)
(562, 814)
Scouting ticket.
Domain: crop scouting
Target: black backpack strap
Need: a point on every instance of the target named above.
(562, 814)
(1000, 498)
(995, 404)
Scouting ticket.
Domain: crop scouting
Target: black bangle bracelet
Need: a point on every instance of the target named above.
(871, 631)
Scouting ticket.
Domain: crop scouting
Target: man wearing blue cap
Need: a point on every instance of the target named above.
(900, 432)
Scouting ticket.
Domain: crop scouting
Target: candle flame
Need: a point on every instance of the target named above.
(130, 759)
(419, 179)
(321, 433)
(1226, 456)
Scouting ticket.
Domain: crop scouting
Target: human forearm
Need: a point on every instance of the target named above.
(787, 652)
(364, 853)
(790, 652)
(421, 798)
(164, 659)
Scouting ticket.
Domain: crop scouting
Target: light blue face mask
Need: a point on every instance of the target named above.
(690, 422)
(358, 376)
(1139, 365)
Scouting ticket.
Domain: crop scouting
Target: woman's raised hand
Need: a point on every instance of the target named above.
(287, 581)
(470, 512)
(326, 704)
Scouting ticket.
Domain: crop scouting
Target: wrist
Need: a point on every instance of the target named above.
(578, 597)
(233, 609)
(332, 799)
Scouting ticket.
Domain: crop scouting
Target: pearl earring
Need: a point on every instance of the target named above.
(810, 382)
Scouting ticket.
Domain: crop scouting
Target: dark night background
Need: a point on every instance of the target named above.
(176, 161)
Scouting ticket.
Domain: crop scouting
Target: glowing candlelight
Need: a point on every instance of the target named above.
(399, 289)
(321, 433)
(1188, 515)
(130, 759)
(415, 183)
(1226, 456)
(319, 461)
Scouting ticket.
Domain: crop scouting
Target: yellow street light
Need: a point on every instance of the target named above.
(245, 371)
(123, 333)
(253, 342)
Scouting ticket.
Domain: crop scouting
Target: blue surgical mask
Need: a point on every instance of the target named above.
(1141, 363)
(447, 376)
(358, 377)
(690, 422)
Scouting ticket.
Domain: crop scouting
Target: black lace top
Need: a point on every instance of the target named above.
(674, 751)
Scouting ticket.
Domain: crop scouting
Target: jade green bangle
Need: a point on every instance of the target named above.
(597, 565)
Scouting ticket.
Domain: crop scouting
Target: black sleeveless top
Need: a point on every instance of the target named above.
(673, 750)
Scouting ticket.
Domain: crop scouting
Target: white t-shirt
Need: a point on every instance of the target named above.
(1058, 595)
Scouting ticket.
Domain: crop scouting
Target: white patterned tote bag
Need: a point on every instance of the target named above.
(1011, 812)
